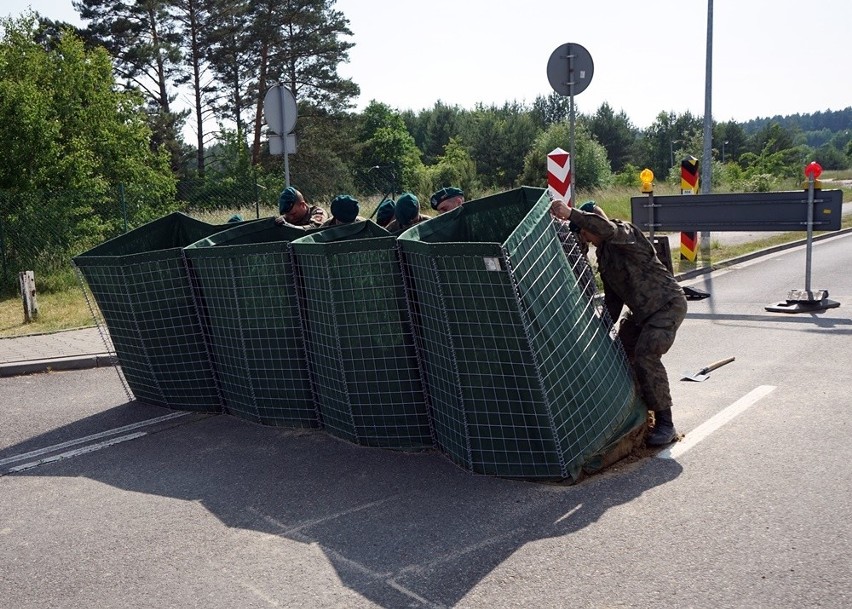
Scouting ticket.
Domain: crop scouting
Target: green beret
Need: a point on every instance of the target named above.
(344, 208)
(588, 206)
(444, 194)
(407, 208)
(287, 199)
(385, 212)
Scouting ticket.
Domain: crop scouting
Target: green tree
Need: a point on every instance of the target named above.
(144, 40)
(554, 108)
(300, 44)
(455, 168)
(441, 124)
(499, 139)
(591, 167)
(70, 137)
(615, 132)
(384, 141)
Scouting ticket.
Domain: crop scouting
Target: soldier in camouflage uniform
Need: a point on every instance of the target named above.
(344, 210)
(406, 213)
(296, 211)
(632, 275)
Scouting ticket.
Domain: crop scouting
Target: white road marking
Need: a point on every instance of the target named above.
(97, 436)
(715, 422)
(77, 452)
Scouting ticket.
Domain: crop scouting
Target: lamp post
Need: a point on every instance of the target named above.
(671, 151)
(724, 143)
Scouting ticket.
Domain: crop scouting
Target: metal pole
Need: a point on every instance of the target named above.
(571, 163)
(809, 245)
(707, 156)
(651, 216)
(284, 140)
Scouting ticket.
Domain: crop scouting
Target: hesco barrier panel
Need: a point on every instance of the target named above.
(523, 375)
(141, 286)
(245, 288)
(359, 337)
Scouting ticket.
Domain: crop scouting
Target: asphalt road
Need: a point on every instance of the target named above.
(752, 509)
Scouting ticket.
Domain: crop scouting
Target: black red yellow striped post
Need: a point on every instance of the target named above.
(688, 186)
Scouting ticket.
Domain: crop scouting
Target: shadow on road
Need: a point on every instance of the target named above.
(401, 529)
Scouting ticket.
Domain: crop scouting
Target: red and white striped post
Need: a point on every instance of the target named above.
(559, 176)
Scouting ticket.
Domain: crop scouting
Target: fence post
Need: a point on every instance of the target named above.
(3, 248)
(123, 203)
(28, 295)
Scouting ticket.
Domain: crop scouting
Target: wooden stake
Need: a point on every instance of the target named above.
(28, 295)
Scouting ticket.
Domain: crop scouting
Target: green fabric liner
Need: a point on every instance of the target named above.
(360, 344)
(496, 337)
(140, 284)
(250, 315)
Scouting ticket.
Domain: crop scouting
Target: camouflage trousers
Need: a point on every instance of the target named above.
(645, 345)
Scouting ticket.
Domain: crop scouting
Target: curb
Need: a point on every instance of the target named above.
(73, 362)
(756, 254)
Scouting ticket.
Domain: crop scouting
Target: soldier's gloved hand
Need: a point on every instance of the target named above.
(280, 220)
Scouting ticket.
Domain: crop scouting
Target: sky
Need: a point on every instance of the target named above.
(769, 58)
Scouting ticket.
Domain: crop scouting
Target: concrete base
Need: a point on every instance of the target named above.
(802, 306)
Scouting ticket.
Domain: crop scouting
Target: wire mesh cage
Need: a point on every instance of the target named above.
(524, 376)
(250, 316)
(142, 289)
(359, 337)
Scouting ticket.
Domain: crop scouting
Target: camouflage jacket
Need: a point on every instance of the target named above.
(335, 222)
(631, 273)
(394, 227)
(314, 218)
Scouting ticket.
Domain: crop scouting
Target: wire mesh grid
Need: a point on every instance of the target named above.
(359, 338)
(103, 330)
(524, 377)
(140, 284)
(153, 324)
(250, 317)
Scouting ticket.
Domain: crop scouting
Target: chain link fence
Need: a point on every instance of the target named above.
(43, 231)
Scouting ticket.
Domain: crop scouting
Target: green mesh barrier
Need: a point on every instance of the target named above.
(244, 278)
(524, 377)
(359, 337)
(141, 286)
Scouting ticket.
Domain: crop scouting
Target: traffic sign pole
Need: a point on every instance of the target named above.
(569, 71)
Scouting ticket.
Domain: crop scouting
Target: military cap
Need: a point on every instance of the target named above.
(407, 208)
(444, 194)
(385, 212)
(588, 206)
(287, 199)
(344, 208)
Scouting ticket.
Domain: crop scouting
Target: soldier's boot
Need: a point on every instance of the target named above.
(664, 431)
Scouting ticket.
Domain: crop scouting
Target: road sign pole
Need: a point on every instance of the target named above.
(569, 71)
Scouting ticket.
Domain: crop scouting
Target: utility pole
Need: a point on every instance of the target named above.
(707, 156)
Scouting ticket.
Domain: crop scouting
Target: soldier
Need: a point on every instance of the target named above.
(385, 212)
(344, 210)
(632, 275)
(447, 199)
(296, 211)
(406, 213)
